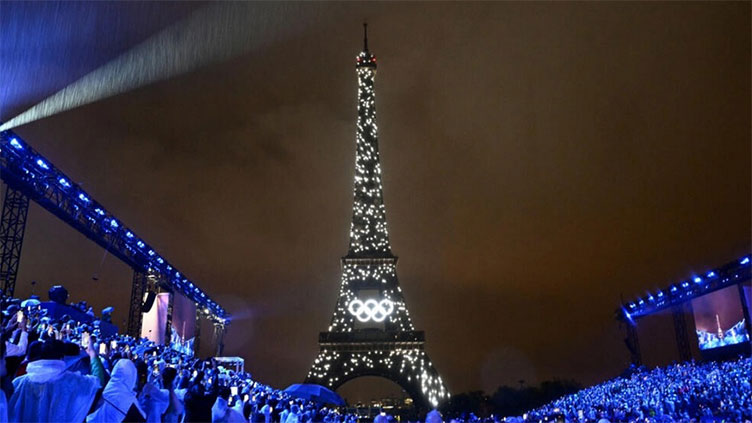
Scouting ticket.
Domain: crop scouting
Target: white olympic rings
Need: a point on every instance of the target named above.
(371, 309)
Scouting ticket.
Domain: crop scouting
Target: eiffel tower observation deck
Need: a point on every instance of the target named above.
(371, 333)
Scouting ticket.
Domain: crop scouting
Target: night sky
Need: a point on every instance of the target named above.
(540, 161)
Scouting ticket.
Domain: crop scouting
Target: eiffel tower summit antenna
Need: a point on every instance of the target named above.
(371, 332)
(365, 36)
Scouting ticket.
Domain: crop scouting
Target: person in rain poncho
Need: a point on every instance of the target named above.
(175, 408)
(153, 400)
(222, 413)
(50, 393)
(118, 396)
(3, 399)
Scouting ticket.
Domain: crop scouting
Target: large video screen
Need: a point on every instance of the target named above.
(719, 319)
(183, 324)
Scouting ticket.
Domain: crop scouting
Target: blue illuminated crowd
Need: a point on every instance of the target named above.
(684, 392)
(63, 370)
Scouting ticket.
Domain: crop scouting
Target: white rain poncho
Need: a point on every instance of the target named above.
(154, 402)
(118, 395)
(49, 393)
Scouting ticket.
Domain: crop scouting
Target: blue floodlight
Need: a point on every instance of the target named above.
(632, 305)
(697, 279)
(710, 274)
(628, 316)
(64, 183)
(744, 261)
(41, 163)
(114, 223)
(685, 284)
(151, 252)
(673, 288)
(641, 302)
(159, 260)
(129, 234)
(140, 244)
(660, 294)
(83, 197)
(99, 211)
(17, 145)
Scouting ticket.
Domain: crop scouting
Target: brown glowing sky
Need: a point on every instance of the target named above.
(540, 159)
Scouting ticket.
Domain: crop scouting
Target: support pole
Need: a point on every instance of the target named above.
(168, 323)
(745, 311)
(633, 343)
(680, 330)
(12, 227)
(197, 333)
(219, 330)
(137, 297)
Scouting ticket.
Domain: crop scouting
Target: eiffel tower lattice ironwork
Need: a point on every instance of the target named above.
(371, 333)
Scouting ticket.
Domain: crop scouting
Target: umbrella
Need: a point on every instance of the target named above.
(316, 393)
(31, 302)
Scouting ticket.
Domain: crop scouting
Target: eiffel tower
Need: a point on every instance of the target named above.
(371, 333)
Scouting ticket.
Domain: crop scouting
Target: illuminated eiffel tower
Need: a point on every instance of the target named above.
(371, 333)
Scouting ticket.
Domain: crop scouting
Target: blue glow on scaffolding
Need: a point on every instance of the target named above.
(39, 177)
(744, 261)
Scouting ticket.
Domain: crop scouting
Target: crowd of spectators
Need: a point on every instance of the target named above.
(684, 392)
(62, 370)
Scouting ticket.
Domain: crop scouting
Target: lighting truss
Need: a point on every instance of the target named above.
(24, 169)
(732, 273)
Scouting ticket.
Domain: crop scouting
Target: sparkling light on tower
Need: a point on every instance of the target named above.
(371, 332)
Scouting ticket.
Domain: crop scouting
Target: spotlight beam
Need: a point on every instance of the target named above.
(212, 34)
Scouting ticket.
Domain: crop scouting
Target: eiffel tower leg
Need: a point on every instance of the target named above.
(411, 369)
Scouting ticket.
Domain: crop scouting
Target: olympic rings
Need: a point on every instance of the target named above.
(371, 309)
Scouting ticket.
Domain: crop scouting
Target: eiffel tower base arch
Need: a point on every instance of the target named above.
(405, 363)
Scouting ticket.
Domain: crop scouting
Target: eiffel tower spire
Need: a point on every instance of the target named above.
(371, 332)
(368, 231)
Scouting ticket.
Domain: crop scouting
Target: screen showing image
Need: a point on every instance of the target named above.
(183, 325)
(719, 319)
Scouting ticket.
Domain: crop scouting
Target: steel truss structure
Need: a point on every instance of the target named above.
(29, 175)
(678, 296)
(371, 333)
(12, 227)
(681, 331)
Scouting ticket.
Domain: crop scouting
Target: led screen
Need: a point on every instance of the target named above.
(183, 324)
(719, 319)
